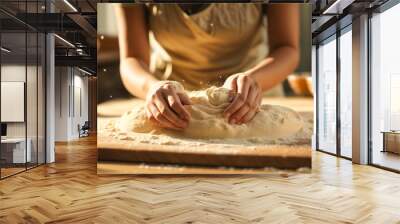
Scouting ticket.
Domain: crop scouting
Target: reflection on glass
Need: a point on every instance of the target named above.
(15, 151)
(327, 96)
(346, 94)
(394, 101)
(31, 97)
(386, 88)
(22, 90)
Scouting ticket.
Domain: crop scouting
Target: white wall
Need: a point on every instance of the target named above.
(62, 81)
(13, 101)
(71, 94)
(15, 73)
(33, 127)
(80, 112)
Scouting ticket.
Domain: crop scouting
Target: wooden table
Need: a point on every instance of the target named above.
(391, 141)
(13, 150)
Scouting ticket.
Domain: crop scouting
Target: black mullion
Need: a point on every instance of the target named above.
(369, 90)
(13, 174)
(37, 90)
(385, 6)
(45, 88)
(0, 97)
(338, 77)
(333, 154)
(73, 92)
(316, 95)
(385, 168)
(45, 94)
(26, 87)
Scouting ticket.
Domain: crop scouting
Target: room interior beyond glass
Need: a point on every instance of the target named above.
(385, 89)
(334, 104)
(335, 74)
(22, 77)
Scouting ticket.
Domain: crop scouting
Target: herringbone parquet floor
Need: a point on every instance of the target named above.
(69, 191)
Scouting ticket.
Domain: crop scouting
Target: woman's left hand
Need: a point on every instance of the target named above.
(247, 100)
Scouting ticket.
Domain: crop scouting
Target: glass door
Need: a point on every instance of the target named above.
(326, 81)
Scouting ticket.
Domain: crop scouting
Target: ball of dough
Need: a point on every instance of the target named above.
(208, 122)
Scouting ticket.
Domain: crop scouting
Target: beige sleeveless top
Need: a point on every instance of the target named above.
(205, 48)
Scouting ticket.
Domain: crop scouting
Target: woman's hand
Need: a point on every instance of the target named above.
(165, 106)
(247, 100)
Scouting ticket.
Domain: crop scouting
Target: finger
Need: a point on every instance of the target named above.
(232, 83)
(176, 105)
(231, 96)
(237, 116)
(155, 122)
(184, 98)
(243, 85)
(166, 111)
(149, 115)
(252, 97)
(159, 118)
(151, 118)
(252, 103)
(240, 98)
(259, 101)
(249, 116)
(253, 110)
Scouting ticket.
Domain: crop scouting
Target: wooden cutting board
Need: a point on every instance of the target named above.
(213, 155)
(277, 156)
(126, 168)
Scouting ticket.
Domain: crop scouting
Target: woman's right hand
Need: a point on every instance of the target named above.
(165, 106)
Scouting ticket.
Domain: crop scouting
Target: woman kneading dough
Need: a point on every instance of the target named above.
(248, 49)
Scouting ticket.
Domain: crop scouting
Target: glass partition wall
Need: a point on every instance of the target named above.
(327, 95)
(334, 99)
(334, 126)
(385, 89)
(13, 145)
(22, 88)
(345, 93)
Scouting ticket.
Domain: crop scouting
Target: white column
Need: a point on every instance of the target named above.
(360, 90)
(314, 83)
(50, 100)
(50, 92)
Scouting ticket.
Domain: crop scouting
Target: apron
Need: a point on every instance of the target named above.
(203, 49)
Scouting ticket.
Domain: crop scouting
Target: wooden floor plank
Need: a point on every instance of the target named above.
(70, 191)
